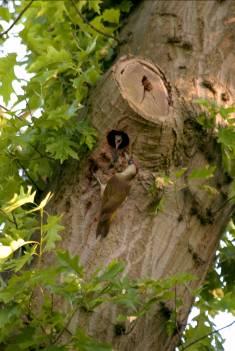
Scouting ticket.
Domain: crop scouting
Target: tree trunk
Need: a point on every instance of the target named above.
(176, 51)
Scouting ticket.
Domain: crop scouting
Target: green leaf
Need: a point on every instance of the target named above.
(62, 148)
(5, 14)
(88, 135)
(52, 229)
(206, 121)
(8, 314)
(7, 75)
(91, 75)
(125, 6)
(206, 103)
(203, 173)
(111, 15)
(52, 57)
(226, 111)
(181, 172)
(85, 343)
(16, 264)
(226, 136)
(91, 47)
(23, 340)
(113, 269)
(95, 5)
(70, 262)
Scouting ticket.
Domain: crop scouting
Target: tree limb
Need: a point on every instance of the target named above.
(91, 25)
(65, 328)
(17, 19)
(205, 336)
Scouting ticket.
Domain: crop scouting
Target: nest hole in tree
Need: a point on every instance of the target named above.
(112, 134)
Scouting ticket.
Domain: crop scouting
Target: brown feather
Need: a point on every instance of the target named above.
(116, 191)
(103, 228)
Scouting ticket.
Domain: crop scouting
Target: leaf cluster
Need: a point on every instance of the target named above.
(69, 45)
(217, 294)
(38, 303)
(221, 121)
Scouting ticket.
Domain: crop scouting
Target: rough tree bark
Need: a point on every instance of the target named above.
(185, 49)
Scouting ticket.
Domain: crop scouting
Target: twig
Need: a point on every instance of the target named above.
(29, 125)
(4, 108)
(28, 107)
(205, 336)
(14, 114)
(17, 19)
(223, 204)
(6, 215)
(65, 328)
(68, 331)
(52, 303)
(25, 171)
(91, 25)
(28, 175)
(15, 221)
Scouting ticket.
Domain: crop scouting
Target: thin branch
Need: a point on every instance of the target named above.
(25, 171)
(28, 107)
(91, 25)
(40, 153)
(4, 108)
(28, 175)
(14, 219)
(52, 303)
(17, 19)
(223, 204)
(14, 114)
(6, 215)
(65, 328)
(29, 125)
(205, 336)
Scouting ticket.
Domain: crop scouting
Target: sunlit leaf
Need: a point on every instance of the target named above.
(14, 245)
(95, 5)
(20, 200)
(51, 57)
(111, 15)
(203, 173)
(5, 14)
(7, 75)
(43, 203)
